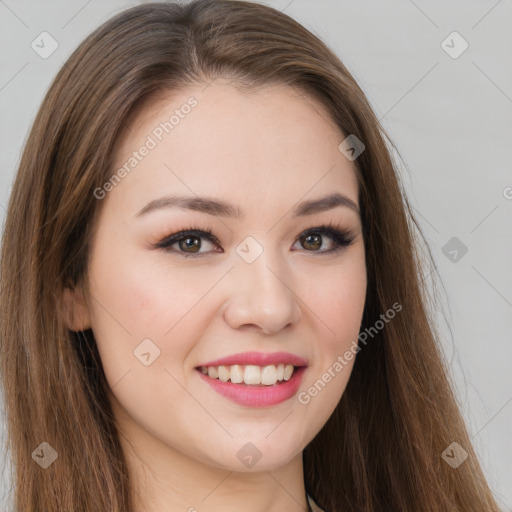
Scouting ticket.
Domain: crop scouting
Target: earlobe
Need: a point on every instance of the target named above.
(74, 309)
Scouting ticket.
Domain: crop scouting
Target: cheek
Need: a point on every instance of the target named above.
(343, 307)
(145, 292)
(336, 298)
(142, 297)
(337, 305)
(334, 360)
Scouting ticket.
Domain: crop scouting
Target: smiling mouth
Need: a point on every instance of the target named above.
(250, 375)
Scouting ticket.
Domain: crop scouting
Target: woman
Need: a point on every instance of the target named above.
(211, 295)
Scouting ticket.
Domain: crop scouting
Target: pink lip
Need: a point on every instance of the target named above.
(258, 359)
(256, 396)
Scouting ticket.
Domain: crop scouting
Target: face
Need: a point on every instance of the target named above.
(246, 290)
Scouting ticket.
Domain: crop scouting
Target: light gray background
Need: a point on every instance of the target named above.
(451, 119)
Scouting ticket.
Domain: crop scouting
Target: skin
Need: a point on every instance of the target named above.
(265, 151)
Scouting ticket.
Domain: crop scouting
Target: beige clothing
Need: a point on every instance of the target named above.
(313, 505)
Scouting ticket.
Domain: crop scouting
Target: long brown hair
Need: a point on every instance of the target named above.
(381, 450)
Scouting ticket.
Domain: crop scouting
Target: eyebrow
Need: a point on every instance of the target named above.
(224, 209)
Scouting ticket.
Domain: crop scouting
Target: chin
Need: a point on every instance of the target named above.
(260, 454)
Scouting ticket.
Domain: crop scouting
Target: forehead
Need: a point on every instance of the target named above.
(265, 146)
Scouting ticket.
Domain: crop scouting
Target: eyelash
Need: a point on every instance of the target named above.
(340, 237)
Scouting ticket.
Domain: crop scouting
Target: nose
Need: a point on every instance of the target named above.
(262, 296)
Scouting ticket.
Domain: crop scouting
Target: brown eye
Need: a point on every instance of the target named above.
(314, 241)
(192, 243)
(189, 242)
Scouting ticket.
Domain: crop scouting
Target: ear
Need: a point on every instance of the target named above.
(74, 309)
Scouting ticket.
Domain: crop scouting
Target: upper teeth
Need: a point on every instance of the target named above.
(250, 374)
